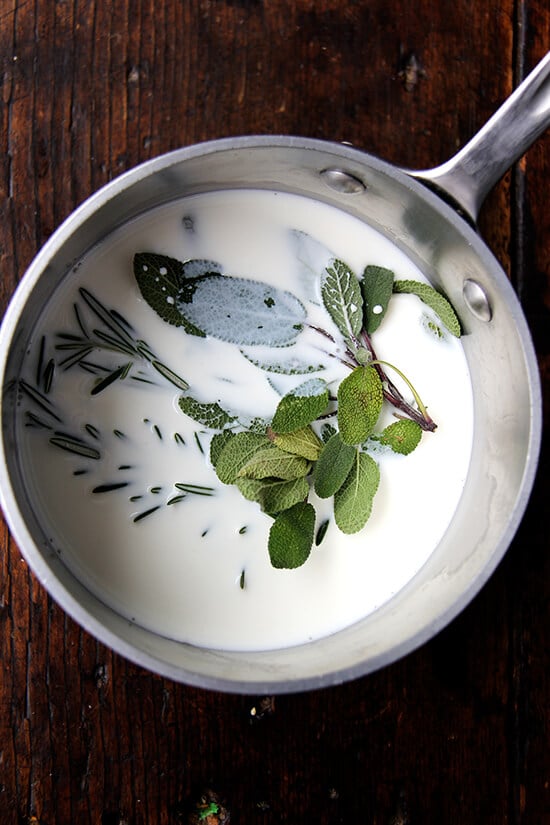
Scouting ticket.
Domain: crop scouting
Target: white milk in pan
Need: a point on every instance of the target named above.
(194, 566)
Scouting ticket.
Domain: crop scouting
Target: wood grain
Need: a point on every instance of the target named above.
(455, 733)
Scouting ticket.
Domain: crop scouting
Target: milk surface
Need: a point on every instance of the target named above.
(197, 569)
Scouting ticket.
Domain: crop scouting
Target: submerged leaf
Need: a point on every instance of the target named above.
(241, 311)
(301, 406)
(435, 300)
(353, 501)
(291, 536)
(360, 399)
(289, 365)
(333, 466)
(376, 285)
(342, 299)
(209, 415)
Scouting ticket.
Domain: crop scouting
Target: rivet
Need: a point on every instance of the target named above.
(476, 300)
(342, 181)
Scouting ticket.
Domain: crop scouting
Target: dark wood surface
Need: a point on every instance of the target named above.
(457, 732)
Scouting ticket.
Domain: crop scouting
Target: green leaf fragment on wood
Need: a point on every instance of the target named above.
(377, 287)
(301, 406)
(342, 299)
(402, 436)
(435, 300)
(333, 466)
(272, 462)
(360, 398)
(209, 415)
(353, 501)
(291, 536)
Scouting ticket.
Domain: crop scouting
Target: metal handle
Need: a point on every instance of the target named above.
(470, 174)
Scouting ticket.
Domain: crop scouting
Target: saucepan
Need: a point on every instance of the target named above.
(438, 234)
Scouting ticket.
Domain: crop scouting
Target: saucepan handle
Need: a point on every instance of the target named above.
(470, 174)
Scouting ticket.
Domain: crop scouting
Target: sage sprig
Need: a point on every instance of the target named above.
(280, 463)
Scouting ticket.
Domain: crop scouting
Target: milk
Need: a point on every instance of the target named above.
(197, 569)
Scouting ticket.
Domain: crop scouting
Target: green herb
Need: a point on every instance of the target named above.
(435, 300)
(291, 536)
(109, 488)
(275, 464)
(146, 513)
(376, 285)
(75, 445)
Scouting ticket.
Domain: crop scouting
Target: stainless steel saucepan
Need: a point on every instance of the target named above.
(497, 343)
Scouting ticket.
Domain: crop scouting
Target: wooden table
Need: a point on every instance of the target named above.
(457, 732)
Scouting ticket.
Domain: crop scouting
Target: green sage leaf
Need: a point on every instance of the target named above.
(342, 299)
(209, 415)
(302, 442)
(219, 440)
(160, 279)
(301, 406)
(273, 495)
(360, 399)
(272, 462)
(402, 436)
(376, 285)
(236, 453)
(435, 300)
(353, 501)
(333, 466)
(291, 536)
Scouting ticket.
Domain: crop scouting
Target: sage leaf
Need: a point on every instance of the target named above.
(342, 299)
(160, 279)
(435, 300)
(236, 453)
(402, 436)
(219, 440)
(272, 462)
(353, 501)
(240, 311)
(274, 495)
(301, 406)
(313, 257)
(302, 442)
(376, 286)
(333, 466)
(360, 399)
(290, 365)
(291, 536)
(210, 415)
(327, 431)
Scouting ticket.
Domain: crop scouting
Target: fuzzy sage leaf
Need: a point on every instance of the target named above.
(301, 406)
(291, 536)
(272, 462)
(333, 466)
(435, 300)
(360, 399)
(342, 299)
(303, 442)
(353, 501)
(236, 453)
(376, 286)
(402, 436)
